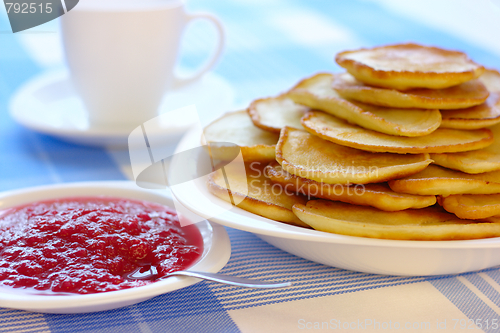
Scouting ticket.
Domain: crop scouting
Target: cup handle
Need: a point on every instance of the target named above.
(179, 82)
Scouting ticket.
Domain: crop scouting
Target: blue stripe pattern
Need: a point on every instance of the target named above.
(465, 300)
(179, 311)
(484, 287)
(17, 320)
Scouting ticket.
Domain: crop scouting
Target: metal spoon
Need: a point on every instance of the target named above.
(145, 273)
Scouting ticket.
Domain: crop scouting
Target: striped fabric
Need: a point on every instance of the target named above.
(270, 46)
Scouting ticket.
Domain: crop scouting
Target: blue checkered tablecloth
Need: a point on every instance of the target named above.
(270, 46)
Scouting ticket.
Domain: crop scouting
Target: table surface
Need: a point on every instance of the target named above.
(270, 46)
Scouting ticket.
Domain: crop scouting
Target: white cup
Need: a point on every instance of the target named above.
(122, 54)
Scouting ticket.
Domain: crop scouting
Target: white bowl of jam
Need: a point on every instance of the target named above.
(68, 248)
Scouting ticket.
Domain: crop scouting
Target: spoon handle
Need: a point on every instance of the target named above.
(232, 280)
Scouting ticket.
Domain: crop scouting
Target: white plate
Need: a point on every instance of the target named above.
(48, 104)
(216, 253)
(379, 256)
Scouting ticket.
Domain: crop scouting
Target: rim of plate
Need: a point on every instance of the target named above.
(195, 196)
(217, 250)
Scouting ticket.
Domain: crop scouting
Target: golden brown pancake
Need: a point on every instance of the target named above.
(472, 206)
(237, 128)
(316, 92)
(308, 156)
(441, 140)
(272, 114)
(406, 66)
(480, 116)
(375, 195)
(475, 161)
(461, 96)
(255, 192)
(431, 223)
(491, 79)
(435, 180)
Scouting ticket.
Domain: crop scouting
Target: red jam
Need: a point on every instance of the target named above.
(90, 244)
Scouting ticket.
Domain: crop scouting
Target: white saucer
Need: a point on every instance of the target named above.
(48, 104)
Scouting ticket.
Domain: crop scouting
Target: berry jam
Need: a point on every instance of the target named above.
(89, 244)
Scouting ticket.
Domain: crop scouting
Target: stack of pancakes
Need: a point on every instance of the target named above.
(401, 146)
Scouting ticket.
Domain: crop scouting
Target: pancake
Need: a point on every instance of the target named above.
(255, 193)
(407, 66)
(487, 114)
(272, 114)
(308, 156)
(491, 79)
(316, 92)
(475, 161)
(442, 140)
(375, 195)
(480, 116)
(435, 180)
(472, 206)
(482, 160)
(462, 96)
(237, 128)
(431, 223)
